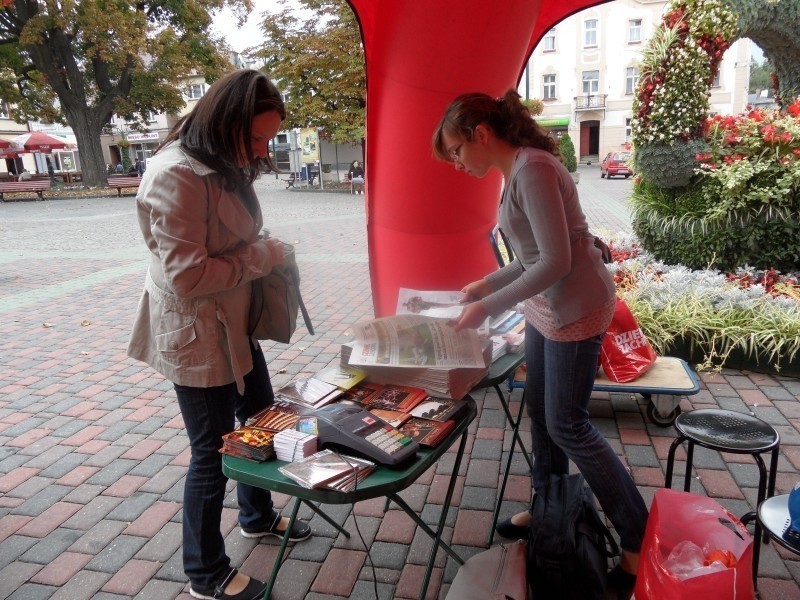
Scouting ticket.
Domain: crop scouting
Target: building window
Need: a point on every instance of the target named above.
(4, 110)
(591, 82)
(548, 87)
(628, 129)
(550, 41)
(716, 82)
(152, 117)
(631, 79)
(634, 31)
(590, 33)
(195, 91)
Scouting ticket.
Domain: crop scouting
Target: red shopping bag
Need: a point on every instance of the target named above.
(626, 354)
(679, 517)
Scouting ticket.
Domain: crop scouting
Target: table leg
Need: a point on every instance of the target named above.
(322, 514)
(499, 502)
(424, 526)
(445, 508)
(514, 423)
(284, 542)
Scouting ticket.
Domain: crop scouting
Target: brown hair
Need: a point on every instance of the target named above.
(508, 117)
(211, 133)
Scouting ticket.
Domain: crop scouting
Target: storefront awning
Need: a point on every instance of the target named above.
(552, 121)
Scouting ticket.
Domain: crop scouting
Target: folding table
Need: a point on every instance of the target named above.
(384, 481)
(502, 370)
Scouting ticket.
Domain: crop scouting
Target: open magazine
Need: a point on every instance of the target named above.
(414, 341)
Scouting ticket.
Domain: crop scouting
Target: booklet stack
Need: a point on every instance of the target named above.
(248, 442)
(328, 469)
(291, 445)
(432, 420)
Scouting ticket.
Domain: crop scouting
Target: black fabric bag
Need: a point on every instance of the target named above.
(569, 544)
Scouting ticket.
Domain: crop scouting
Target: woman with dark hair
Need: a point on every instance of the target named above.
(201, 221)
(569, 299)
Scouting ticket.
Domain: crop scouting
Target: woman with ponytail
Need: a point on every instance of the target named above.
(568, 297)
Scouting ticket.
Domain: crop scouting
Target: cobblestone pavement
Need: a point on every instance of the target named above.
(93, 453)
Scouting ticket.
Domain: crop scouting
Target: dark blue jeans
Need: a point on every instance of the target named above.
(557, 391)
(208, 414)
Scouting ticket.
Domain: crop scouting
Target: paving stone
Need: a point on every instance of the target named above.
(339, 572)
(60, 569)
(13, 547)
(32, 591)
(131, 578)
(642, 456)
(116, 555)
(487, 449)
(314, 549)
(131, 508)
(172, 570)
(64, 465)
(159, 589)
(95, 510)
(14, 576)
(42, 500)
(478, 498)
(366, 590)
(98, 537)
(50, 547)
(163, 544)
(151, 466)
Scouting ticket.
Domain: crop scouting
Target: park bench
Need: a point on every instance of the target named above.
(123, 181)
(7, 187)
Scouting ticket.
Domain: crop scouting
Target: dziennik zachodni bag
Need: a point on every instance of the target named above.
(275, 301)
(569, 544)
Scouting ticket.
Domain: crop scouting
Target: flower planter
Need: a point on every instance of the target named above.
(737, 359)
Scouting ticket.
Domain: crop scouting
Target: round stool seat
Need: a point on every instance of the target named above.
(727, 430)
(773, 513)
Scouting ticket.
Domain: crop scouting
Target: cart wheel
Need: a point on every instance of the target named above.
(656, 418)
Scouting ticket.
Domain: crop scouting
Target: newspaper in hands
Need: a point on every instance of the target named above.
(414, 341)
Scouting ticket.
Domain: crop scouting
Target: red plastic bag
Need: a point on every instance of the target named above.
(677, 517)
(626, 354)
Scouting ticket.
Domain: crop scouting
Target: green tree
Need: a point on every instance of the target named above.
(567, 150)
(82, 61)
(760, 76)
(317, 58)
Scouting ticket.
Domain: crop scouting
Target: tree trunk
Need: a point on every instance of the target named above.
(87, 131)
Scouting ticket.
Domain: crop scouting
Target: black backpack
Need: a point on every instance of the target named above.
(569, 544)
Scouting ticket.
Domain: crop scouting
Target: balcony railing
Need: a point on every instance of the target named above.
(590, 101)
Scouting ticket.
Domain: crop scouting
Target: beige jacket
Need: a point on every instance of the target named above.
(191, 324)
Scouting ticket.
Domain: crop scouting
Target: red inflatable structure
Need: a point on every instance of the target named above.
(428, 225)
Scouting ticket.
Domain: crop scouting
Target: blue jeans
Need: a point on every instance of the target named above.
(557, 391)
(208, 414)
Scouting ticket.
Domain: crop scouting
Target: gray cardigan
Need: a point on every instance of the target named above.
(555, 253)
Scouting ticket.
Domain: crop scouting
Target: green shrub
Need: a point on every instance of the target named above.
(567, 150)
(673, 226)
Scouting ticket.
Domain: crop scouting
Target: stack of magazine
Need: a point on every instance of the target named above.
(419, 347)
(328, 469)
(445, 382)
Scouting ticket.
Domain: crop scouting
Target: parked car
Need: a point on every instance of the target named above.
(616, 163)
